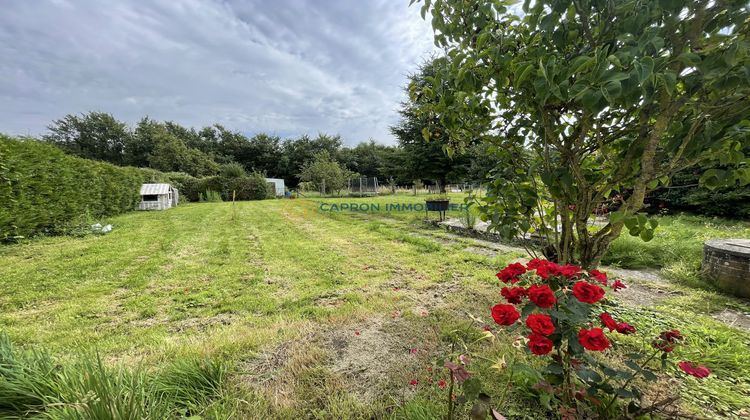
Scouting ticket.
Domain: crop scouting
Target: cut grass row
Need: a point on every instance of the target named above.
(233, 283)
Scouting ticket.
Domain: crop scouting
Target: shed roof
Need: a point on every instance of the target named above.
(154, 189)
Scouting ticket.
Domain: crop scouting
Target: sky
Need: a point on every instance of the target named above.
(285, 67)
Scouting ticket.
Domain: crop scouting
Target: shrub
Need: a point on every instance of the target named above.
(211, 196)
(686, 194)
(44, 190)
(233, 170)
(562, 321)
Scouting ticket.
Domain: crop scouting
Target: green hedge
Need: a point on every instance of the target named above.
(685, 195)
(44, 190)
(250, 187)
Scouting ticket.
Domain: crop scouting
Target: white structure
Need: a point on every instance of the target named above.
(158, 197)
(278, 186)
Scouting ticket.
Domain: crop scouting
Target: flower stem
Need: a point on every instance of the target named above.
(640, 368)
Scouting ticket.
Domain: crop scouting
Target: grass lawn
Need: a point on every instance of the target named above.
(329, 314)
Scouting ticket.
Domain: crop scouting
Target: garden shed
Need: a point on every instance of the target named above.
(278, 186)
(158, 197)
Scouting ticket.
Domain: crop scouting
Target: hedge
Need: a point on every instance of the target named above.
(44, 190)
(250, 187)
(686, 195)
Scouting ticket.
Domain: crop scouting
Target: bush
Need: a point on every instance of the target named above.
(686, 195)
(233, 170)
(44, 190)
(250, 187)
(211, 196)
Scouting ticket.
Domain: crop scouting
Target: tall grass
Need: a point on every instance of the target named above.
(677, 247)
(34, 384)
(211, 196)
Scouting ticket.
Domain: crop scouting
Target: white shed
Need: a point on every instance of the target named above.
(158, 197)
(278, 186)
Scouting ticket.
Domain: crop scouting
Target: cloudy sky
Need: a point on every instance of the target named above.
(284, 66)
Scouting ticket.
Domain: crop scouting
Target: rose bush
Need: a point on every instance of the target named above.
(560, 313)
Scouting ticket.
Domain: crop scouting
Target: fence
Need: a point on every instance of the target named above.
(363, 186)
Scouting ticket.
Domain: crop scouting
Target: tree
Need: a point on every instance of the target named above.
(296, 152)
(324, 172)
(170, 154)
(422, 137)
(590, 98)
(370, 159)
(95, 135)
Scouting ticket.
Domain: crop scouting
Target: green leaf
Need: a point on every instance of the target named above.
(611, 90)
(647, 235)
(525, 74)
(645, 68)
(650, 376)
(426, 134)
(616, 216)
(588, 375)
(689, 59)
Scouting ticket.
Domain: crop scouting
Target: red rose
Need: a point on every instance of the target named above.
(671, 335)
(695, 370)
(513, 294)
(608, 321)
(540, 324)
(535, 263)
(548, 269)
(625, 328)
(505, 314)
(667, 340)
(587, 292)
(593, 339)
(542, 296)
(570, 271)
(510, 273)
(617, 285)
(599, 276)
(539, 344)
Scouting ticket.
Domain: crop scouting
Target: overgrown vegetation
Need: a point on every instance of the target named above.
(677, 247)
(34, 383)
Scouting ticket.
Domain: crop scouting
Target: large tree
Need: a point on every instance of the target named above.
(589, 99)
(94, 135)
(424, 140)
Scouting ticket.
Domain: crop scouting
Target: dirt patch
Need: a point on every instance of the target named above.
(486, 252)
(329, 301)
(637, 294)
(367, 359)
(369, 355)
(734, 318)
(645, 275)
(199, 323)
(434, 238)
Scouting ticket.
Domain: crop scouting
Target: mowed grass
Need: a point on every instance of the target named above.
(310, 312)
(217, 280)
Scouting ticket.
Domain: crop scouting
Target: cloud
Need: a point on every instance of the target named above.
(285, 67)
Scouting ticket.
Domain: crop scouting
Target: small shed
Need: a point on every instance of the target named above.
(278, 186)
(158, 197)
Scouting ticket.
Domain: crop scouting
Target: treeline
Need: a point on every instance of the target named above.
(170, 147)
